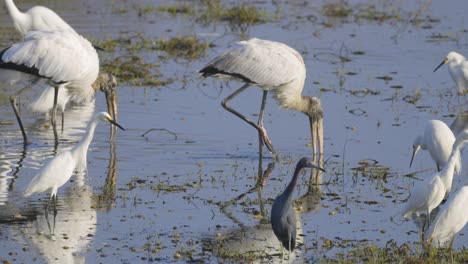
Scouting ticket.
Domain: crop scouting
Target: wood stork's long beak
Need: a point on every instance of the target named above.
(316, 134)
(111, 99)
(440, 65)
(115, 124)
(415, 150)
(313, 135)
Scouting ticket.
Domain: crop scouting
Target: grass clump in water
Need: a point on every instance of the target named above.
(175, 9)
(135, 70)
(240, 16)
(244, 15)
(188, 47)
(392, 253)
(339, 9)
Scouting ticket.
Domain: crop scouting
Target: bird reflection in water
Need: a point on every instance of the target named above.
(106, 200)
(66, 238)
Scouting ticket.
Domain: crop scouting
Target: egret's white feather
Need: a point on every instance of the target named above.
(451, 218)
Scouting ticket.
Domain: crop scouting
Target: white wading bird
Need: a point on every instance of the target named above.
(275, 67)
(458, 69)
(438, 139)
(59, 169)
(37, 18)
(67, 61)
(451, 218)
(429, 194)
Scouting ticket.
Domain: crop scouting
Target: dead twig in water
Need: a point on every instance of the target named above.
(160, 129)
(411, 175)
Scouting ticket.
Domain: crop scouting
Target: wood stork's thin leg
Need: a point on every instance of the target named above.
(261, 130)
(63, 118)
(55, 204)
(260, 123)
(13, 99)
(15, 109)
(54, 114)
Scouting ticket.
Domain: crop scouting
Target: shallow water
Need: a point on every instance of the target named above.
(153, 196)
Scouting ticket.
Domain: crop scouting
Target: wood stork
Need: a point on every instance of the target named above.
(65, 60)
(275, 67)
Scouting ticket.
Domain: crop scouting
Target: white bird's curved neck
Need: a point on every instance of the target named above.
(446, 174)
(18, 17)
(83, 145)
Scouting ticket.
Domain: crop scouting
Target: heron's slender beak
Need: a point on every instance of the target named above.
(415, 150)
(440, 65)
(115, 124)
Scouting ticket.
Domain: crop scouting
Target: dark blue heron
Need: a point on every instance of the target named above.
(283, 219)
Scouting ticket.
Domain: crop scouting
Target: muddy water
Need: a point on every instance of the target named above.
(180, 191)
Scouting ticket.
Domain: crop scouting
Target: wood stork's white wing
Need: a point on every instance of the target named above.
(44, 19)
(263, 62)
(61, 56)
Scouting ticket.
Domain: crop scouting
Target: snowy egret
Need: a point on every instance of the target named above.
(430, 193)
(60, 168)
(451, 218)
(283, 219)
(458, 69)
(438, 139)
(66, 60)
(272, 66)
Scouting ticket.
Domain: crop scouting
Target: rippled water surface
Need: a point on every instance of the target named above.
(188, 190)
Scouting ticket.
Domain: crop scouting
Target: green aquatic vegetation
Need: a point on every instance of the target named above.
(188, 47)
(108, 44)
(176, 9)
(338, 9)
(244, 15)
(239, 16)
(371, 13)
(371, 169)
(366, 252)
(135, 70)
